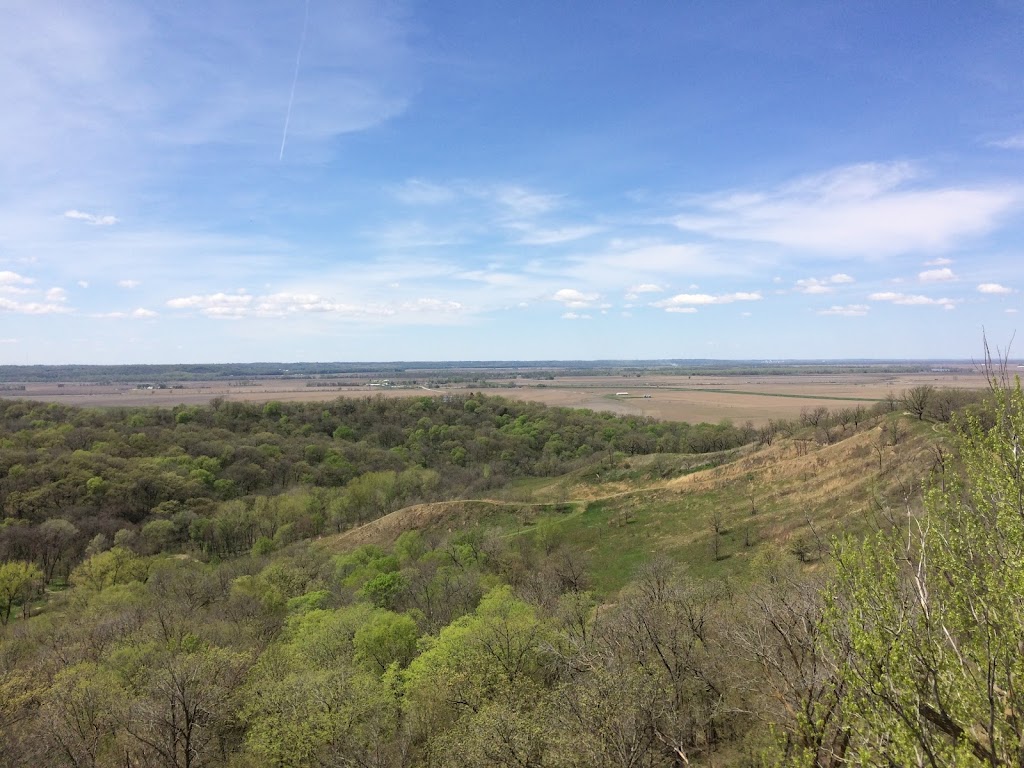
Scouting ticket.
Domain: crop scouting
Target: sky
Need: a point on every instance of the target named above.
(336, 180)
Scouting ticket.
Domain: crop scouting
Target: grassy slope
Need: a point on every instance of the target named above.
(793, 493)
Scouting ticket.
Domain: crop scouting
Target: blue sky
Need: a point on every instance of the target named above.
(276, 180)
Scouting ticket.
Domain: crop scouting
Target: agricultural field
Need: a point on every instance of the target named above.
(693, 398)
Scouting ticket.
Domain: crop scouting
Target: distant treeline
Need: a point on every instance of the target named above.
(527, 368)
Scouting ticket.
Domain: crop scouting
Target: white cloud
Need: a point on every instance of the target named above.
(140, 314)
(56, 294)
(936, 275)
(681, 310)
(431, 305)
(128, 284)
(849, 310)
(8, 341)
(690, 299)
(214, 304)
(1011, 311)
(575, 316)
(91, 218)
(993, 288)
(813, 285)
(635, 291)
(574, 298)
(13, 278)
(941, 261)
(913, 300)
(862, 210)
(1010, 142)
(228, 306)
(31, 308)
(83, 283)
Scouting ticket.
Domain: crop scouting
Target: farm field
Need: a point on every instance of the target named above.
(691, 398)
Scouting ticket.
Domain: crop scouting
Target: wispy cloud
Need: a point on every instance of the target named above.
(519, 201)
(420, 192)
(91, 218)
(848, 310)
(863, 210)
(1010, 142)
(575, 316)
(533, 235)
(941, 261)
(129, 284)
(156, 80)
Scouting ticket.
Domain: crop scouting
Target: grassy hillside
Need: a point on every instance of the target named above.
(794, 493)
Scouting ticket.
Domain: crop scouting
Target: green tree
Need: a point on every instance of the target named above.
(308, 704)
(18, 582)
(387, 638)
(928, 620)
(483, 671)
(115, 566)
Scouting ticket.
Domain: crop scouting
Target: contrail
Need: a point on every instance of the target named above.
(295, 80)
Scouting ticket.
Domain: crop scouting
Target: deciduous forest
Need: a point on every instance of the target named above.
(202, 586)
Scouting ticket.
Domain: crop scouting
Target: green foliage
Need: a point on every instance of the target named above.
(928, 621)
(18, 582)
(307, 699)
(106, 569)
(502, 653)
(386, 638)
(384, 588)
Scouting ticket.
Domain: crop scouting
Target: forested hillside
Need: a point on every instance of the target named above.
(160, 609)
(203, 475)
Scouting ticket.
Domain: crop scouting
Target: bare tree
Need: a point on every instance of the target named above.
(716, 523)
(782, 633)
(917, 399)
